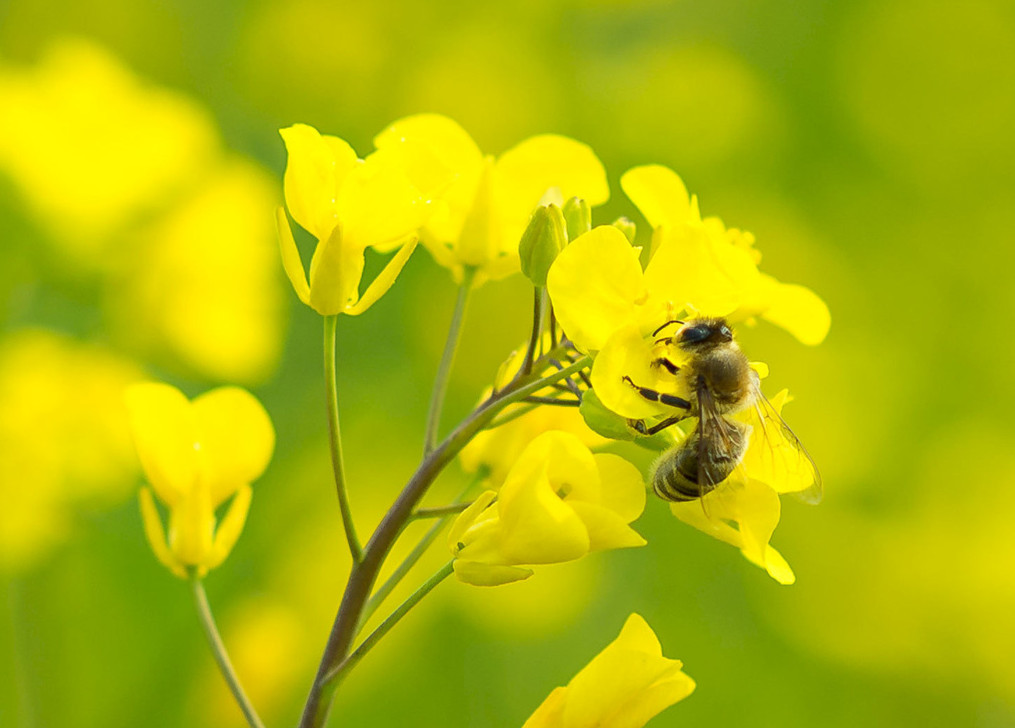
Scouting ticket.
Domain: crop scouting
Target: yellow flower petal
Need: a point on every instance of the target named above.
(163, 426)
(526, 171)
(315, 170)
(754, 508)
(606, 529)
(291, 257)
(384, 280)
(623, 490)
(468, 517)
(659, 194)
(192, 527)
(479, 239)
(566, 463)
(378, 205)
(236, 439)
(444, 137)
(443, 162)
(537, 527)
(652, 701)
(550, 714)
(692, 271)
(594, 284)
(335, 273)
(480, 574)
(629, 354)
(799, 310)
(544, 165)
(621, 686)
(228, 531)
(776, 566)
(156, 535)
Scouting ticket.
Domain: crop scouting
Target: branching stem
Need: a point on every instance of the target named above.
(334, 676)
(364, 573)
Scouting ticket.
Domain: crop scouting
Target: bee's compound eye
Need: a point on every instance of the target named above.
(694, 334)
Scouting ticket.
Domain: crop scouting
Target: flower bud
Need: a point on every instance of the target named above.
(542, 240)
(578, 216)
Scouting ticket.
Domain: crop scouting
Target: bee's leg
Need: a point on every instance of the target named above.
(653, 396)
(639, 425)
(666, 364)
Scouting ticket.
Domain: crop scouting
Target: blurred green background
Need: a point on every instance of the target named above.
(869, 147)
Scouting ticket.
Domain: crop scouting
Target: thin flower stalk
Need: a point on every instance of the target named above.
(218, 650)
(337, 462)
(440, 388)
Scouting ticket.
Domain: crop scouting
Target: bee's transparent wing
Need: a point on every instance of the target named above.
(779, 458)
(721, 445)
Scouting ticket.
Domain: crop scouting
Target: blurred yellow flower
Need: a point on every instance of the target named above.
(479, 219)
(202, 287)
(349, 204)
(62, 444)
(138, 195)
(93, 148)
(197, 455)
(624, 686)
(558, 503)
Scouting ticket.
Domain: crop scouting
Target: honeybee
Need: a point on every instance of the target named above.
(721, 383)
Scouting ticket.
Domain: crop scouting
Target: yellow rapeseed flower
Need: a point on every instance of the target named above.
(558, 503)
(624, 686)
(607, 304)
(716, 267)
(197, 455)
(479, 219)
(349, 204)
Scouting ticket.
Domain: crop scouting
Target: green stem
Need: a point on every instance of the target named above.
(337, 463)
(364, 574)
(537, 329)
(218, 649)
(512, 415)
(439, 511)
(440, 387)
(554, 401)
(332, 678)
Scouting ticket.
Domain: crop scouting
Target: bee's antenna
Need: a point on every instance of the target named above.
(668, 323)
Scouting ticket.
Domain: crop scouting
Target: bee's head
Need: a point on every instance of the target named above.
(701, 334)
